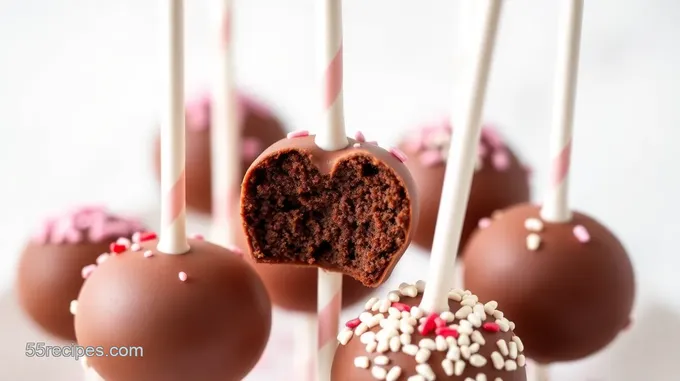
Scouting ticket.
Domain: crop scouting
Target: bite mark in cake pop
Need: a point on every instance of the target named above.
(86, 224)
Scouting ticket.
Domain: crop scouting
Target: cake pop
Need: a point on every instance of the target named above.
(499, 181)
(50, 271)
(260, 129)
(393, 339)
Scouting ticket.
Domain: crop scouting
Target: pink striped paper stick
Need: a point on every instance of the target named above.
(556, 205)
(225, 133)
(173, 238)
(329, 305)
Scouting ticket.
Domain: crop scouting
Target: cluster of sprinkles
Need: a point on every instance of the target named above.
(534, 226)
(459, 334)
(431, 143)
(89, 223)
(360, 138)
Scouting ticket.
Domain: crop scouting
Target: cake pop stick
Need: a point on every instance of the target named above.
(225, 134)
(173, 238)
(459, 171)
(330, 137)
(556, 205)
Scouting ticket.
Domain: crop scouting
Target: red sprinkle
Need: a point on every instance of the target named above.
(401, 307)
(147, 236)
(116, 248)
(439, 322)
(353, 323)
(447, 332)
(491, 327)
(430, 325)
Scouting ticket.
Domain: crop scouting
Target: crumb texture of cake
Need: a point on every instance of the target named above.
(348, 210)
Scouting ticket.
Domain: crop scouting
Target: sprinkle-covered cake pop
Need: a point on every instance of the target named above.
(500, 180)
(260, 129)
(394, 340)
(569, 286)
(51, 267)
(205, 312)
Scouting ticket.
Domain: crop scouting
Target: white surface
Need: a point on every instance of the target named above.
(65, 65)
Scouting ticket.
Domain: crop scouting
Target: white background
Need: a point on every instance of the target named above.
(79, 87)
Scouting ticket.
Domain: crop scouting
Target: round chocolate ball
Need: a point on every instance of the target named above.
(260, 129)
(568, 286)
(473, 341)
(50, 271)
(500, 180)
(204, 315)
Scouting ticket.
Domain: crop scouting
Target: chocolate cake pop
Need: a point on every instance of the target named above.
(394, 340)
(203, 315)
(50, 271)
(500, 180)
(260, 129)
(351, 211)
(569, 286)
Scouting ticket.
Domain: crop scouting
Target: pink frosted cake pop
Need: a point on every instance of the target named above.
(55, 262)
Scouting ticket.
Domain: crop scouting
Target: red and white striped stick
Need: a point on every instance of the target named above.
(556, 205)
(173, 237)
(225, 133)
(330, 137)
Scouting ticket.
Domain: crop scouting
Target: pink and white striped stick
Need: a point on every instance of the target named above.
(225, 133)
(556, 205)
(173, 237)
(330, 137)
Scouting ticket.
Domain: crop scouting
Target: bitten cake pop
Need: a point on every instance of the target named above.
(260, 129)
(53, 263)
(500, 180)
(394, 340)
(563, 276)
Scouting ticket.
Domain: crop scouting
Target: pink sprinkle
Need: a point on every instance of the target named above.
(235, 249)
(298, 134)
(359, 136)
(581, 233)
(490, 134)
(353, 323)
(396, 152)
(87, 270)
(431, 158)
(183, 276)
(356, 145)
(199, 237)
(484, 223)
(148, 254)
(482, 150)
(102, 258)
(501, 160)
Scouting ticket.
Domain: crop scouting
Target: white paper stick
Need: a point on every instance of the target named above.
(329, 305)
(460, 168)
(556, 205)
(304, 347)
(173, 237)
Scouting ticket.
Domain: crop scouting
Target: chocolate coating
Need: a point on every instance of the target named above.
(569, 298)
(351, 211)
(49, 273)
(259, 127)
(212, 327)
(499, 181)
(345, 369)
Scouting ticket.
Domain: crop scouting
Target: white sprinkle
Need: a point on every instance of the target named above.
(510, 365)
(497, 360)
(370, 347)
(512, 346)
(393, 312)
(453, 295)
(345, 336)
(422, 355)
(378, 373)
(102, 258)
(360, 329)
(463, 339)
(183, 276)
(365, 316)
(503, 324)
(497, 379)
(463, 312)
(518, 341)
(410, 349)
(465, 327)
(426, 371)
(367, 337)
(468, 294)
(521, 360)
(453, 353)
(381, 360)
(478, 338)
(481, 377)
(73, 307)
(375, 320)
(405, 314)
(469, 379)
(361, 362)
(135, 247)
(148, 254)
(447, 365)
(452, 341)
(475, 320)
(581, 234)
(370, 303)
(411, 320)
(459, 367)
(384, 305)
(503, 347)
(441, 343)
(405, 339)
(533, 241)
(123, 241)
(477, 360)
(405, 327)
(136, 237)
(490, 307)
(411, 291)
(533, 224)
(474, 348)
(416, 378)
(511, 324)
(390, 323)
(478, 310)
(420, 286)
(356, 145)
(465, 351)
(383, 346)
(427, 344)
(395, 344)
(447, 316)
(416, 312)
(376, 306)
(386, 334)
(403, 284)
(468, 302)
(393, 296)
(498, 314)
(393, 374)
